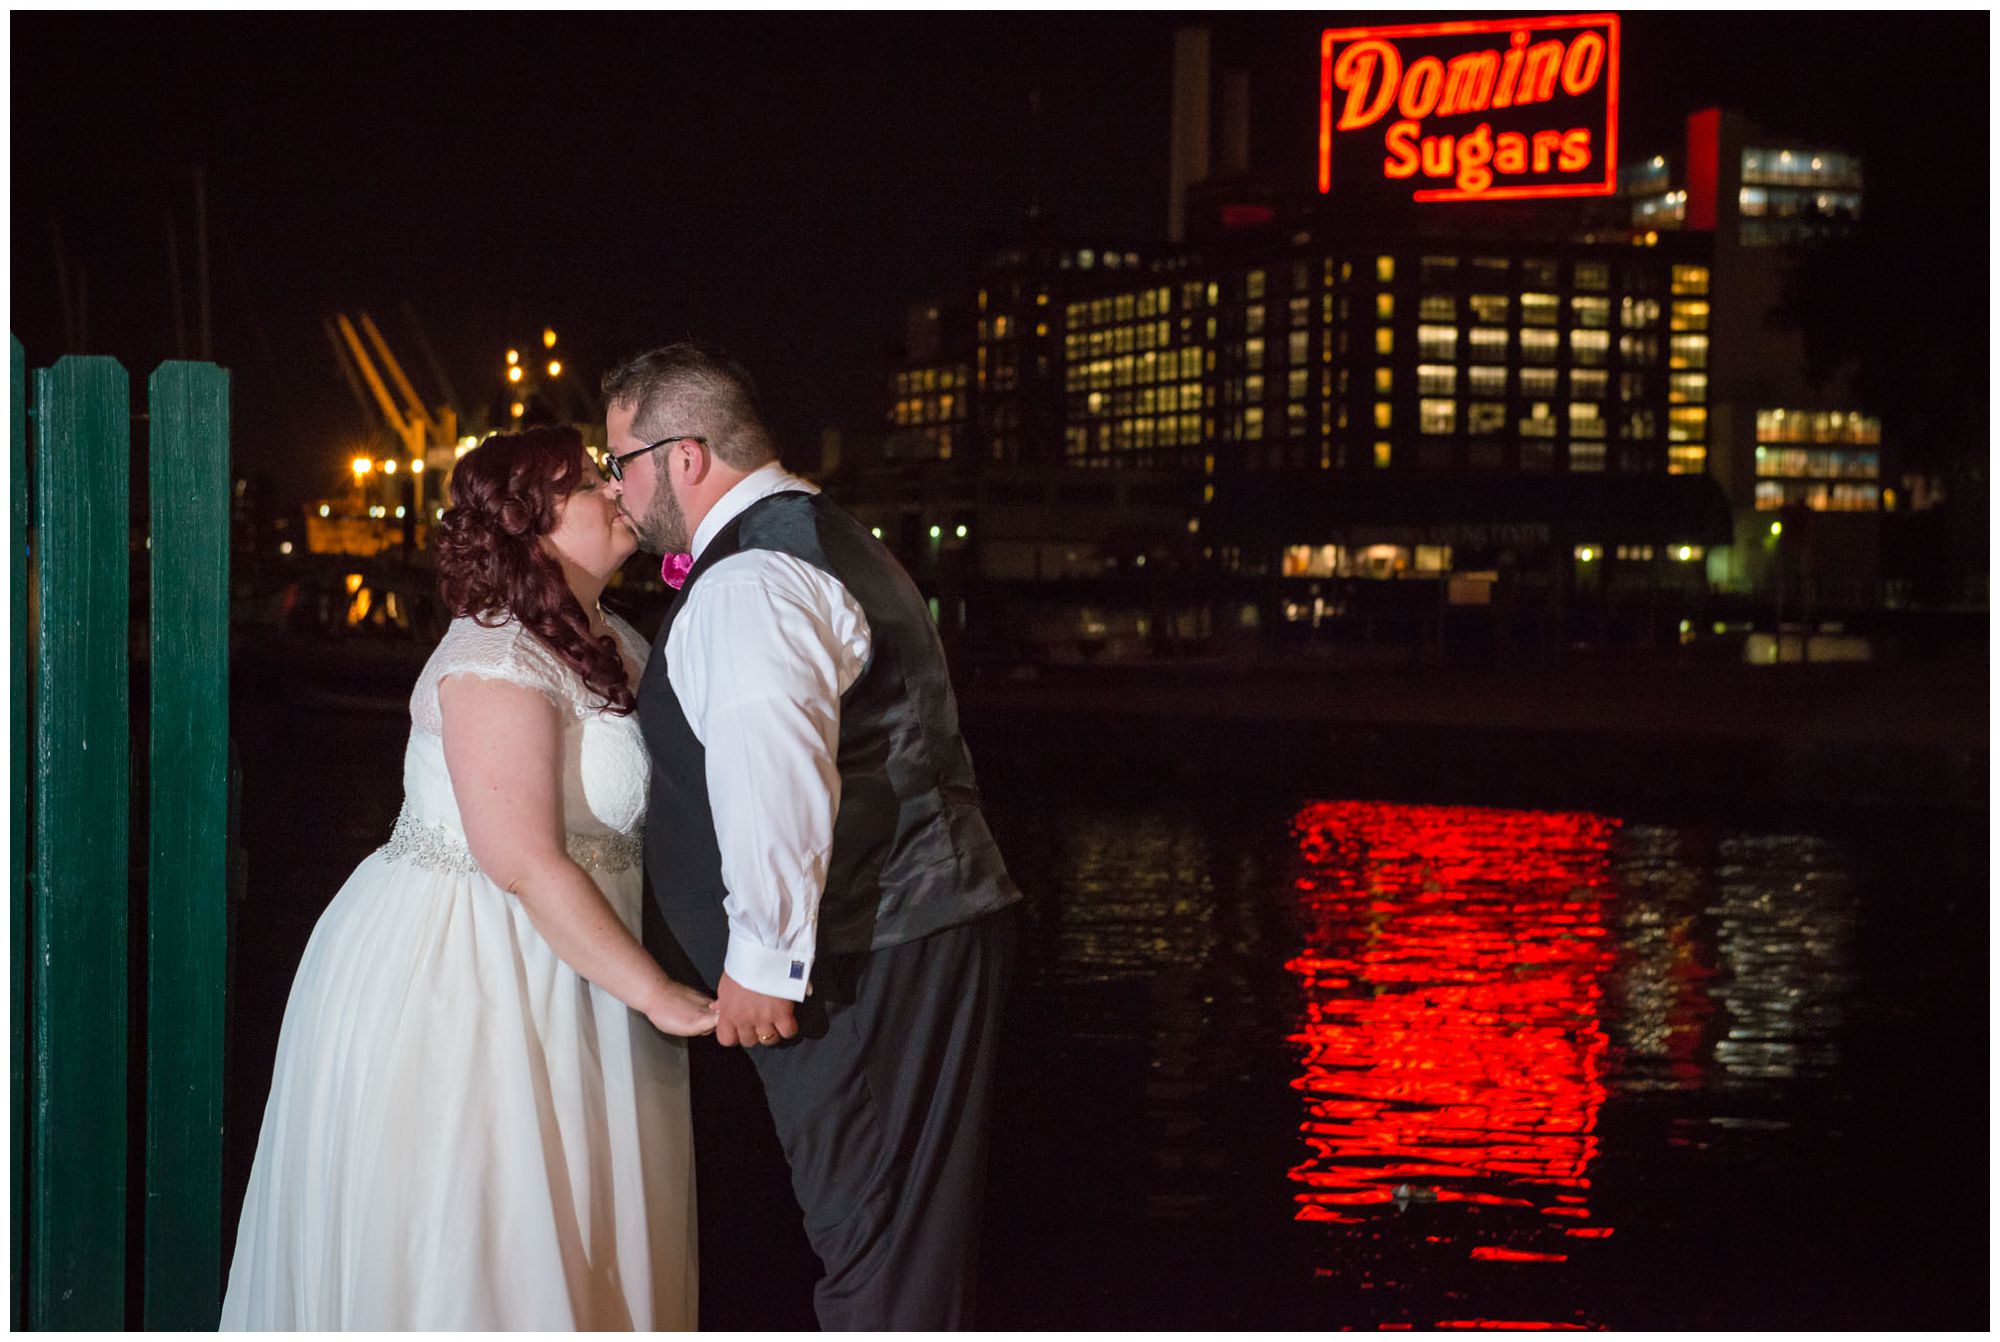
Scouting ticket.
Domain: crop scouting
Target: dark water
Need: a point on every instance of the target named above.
(1301, 1061)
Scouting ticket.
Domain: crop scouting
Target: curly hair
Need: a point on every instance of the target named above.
(492, 564)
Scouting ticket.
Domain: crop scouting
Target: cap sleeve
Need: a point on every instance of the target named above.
(507, 653)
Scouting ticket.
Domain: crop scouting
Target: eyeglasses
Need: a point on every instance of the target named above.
(615, 466)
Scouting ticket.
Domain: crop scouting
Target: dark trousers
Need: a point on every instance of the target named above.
(882, 1104)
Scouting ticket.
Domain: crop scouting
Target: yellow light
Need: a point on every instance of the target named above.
(1686, 553)
(555, 367)
(876, 532)
(961, 531)
(514, 373)
(1777, 528)
(399, 510)
(513, 357)
(284, 547)
(936, 532)
(1586, 554)
(353, 583)
(324, 510)
(416, 465)
(519, 410)
(389, 466)
(362, 466)
(548, 337)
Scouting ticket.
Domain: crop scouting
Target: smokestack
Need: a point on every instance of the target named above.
(1235, 146)
(1190, 126)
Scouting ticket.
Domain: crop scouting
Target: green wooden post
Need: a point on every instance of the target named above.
(77, 1147)
(187, 877)
(17, 833)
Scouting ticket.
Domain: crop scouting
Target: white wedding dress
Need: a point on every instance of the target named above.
(462, 1133)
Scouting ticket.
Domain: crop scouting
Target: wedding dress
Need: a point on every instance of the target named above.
(462, 1133)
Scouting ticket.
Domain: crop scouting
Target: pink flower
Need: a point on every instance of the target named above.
(674, 569)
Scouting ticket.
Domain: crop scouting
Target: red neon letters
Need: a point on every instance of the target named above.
(1417, 74)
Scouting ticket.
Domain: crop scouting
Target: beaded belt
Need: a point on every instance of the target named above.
(439, 849)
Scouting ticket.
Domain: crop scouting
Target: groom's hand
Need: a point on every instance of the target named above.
(749, 1018)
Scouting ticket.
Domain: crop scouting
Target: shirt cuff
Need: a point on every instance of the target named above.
(761, 969)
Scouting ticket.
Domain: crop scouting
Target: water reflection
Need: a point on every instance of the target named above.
(1451, 1036)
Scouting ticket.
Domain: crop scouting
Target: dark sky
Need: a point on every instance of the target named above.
(781, 184)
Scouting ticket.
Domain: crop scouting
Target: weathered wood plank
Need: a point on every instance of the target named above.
(187, 869)
(77, 1146)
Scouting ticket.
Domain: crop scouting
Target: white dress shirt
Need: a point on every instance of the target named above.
(759, 657)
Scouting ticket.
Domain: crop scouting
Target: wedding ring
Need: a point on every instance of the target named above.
(765, 1038)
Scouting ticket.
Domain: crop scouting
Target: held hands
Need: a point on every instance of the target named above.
(749, 1018)
(680, 1010)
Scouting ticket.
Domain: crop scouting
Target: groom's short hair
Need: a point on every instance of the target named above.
(696, 389)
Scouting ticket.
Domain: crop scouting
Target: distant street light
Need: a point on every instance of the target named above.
(389, 466)
(548, 337)
(519, 410)
(514, 373)
(555, 367)
(416, 465)
(362, 466)
(513, 356)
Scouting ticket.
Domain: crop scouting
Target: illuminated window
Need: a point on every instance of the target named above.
(1593, 275)
(1638, 426)
(1300, 310)
(1690, 280)
(1588, 384)
(1538, 309)
(1490, 308)
(1385, 381)
(1589, 347)
(1640, 554)
(1434, 379)
(1253, 422)
(1691, 315)
(1539, 346)
(1295, 384)
(1381, 456)
(1253, 351)
(1636, 314)
(1643, 350)
(1295, 420)
(1687, 351)
(1253, 284)
(1381, 414)
(1253, 318)
(1687, 388)
(1539, 422)
(1486, 381)
(1485, 417)
(1385, 269)
(1586, 419)
(1437, 342)
(1489, 344)
(1586, 456)
(1437, 415)
(1297, 346)
(1538, 382)
(1687, 424)
(1253, 387)
(1385, 306)
(1589, 311)
(1385, 340)
(1437, 308)
(1686, 460)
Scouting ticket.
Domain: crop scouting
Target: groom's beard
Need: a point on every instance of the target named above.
(664, 529)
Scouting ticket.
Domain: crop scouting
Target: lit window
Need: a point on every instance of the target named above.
(1691, 315)
(1538, 422)
(1295, 384)
(1593, 275)
(1643, 350)
(1385, 340)
(1588, 384)
(1586, 420)
(1438, 342)
(1687, 351)
(1591, 311)
(1687, 424)
(1490, 308)
(1381, 456)
(1586, 456)
(1690, 280)
(1687, 388)
(1253, 422)
(1485, 417)
(1385, 381)
(1538, 309)
(1489, 344)
(1385, 269)
(1385, 306)
(1636, 314)
(1381, 414)
(1253, 284)
(1539, 346)
(1433, 379)
(1438, 308)
(1487, 381)
(1538, 382)
(1437, 415)
(1686, 460)
(1297, 347)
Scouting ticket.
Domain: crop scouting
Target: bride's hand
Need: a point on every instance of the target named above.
(682, 1010)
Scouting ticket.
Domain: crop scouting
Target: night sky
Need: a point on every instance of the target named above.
(783, 185)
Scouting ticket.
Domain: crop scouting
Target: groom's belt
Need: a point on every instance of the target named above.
(437, 848)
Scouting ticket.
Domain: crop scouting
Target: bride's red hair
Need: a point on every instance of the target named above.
(491, 560)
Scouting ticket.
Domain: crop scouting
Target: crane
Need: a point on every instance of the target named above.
(426, 435)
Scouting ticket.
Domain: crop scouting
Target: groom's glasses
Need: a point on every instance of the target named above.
(615, 466)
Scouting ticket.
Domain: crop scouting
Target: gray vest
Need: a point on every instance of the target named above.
(911, 851)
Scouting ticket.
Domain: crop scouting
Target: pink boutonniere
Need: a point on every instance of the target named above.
(674, 569)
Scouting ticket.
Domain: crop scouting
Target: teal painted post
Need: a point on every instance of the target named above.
(17, 834)
(187, 907)
(77, 1148)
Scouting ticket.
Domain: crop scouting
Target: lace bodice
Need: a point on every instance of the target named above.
(605, 767)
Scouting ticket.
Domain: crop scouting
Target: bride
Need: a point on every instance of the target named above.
(475, 1121)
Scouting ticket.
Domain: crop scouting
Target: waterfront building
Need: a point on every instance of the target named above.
(1309, 410)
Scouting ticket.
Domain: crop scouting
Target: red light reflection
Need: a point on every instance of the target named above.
(1451, 1033)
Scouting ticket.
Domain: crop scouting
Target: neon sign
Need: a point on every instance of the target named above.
(1491, 109)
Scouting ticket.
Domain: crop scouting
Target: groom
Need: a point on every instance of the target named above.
(815, 841)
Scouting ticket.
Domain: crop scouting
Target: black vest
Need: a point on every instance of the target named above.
(911, 851)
